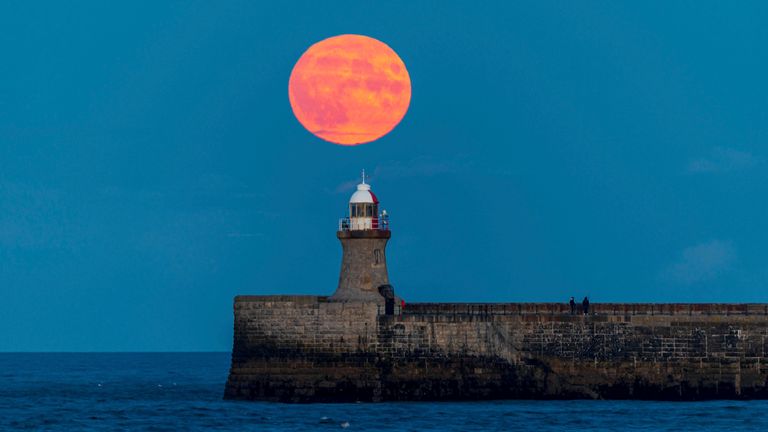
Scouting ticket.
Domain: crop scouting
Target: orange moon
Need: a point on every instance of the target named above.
(349, 89)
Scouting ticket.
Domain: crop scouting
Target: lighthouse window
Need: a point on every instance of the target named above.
(369, 211)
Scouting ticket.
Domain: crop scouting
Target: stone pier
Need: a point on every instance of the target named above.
(309, 349)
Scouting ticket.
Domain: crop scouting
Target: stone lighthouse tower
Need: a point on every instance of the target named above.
(364, 234)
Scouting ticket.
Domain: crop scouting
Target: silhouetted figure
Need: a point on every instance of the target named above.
(572, 303)
(585, 305)
(388, 293)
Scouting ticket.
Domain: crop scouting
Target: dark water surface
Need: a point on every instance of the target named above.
(165, 392)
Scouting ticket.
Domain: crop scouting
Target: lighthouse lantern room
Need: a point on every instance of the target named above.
(364, 211)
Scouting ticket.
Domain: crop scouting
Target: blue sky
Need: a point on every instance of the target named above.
(151, 168)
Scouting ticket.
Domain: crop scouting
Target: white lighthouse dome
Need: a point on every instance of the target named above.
(363, 195)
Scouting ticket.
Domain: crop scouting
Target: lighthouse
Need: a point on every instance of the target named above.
(364, 233)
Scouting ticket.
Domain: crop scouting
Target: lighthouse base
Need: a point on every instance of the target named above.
(363, 266)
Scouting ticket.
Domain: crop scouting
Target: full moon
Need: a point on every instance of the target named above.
(349, 89)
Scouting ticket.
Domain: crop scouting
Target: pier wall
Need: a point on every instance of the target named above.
(305, 349)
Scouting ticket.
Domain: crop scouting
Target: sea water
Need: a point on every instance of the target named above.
(183, 391)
